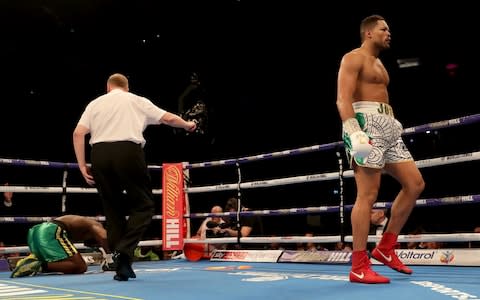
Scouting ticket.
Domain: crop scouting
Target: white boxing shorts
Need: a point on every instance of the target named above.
(378, 121)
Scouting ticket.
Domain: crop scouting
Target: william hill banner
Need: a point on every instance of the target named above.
(173, 206)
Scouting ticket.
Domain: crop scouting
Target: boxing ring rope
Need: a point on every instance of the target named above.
(466, 120)
(452, 159)
(443, 237)
(457, 237)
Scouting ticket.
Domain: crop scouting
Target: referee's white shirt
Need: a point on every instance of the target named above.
(120, 116)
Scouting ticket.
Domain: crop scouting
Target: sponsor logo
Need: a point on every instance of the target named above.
(258, 183)
(230, 255)
(360, 276)
(173, 206)
(217, 254)
(416, 255)
(316, 256)
(340, 256)
(447, 257)
(222, 187)
(89, 260)
(387, 258)
(228, 268)
(316, 177)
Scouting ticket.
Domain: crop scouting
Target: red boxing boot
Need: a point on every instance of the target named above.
(362, 272)
(385, 253)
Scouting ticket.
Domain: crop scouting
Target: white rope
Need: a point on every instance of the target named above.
(453, 237)
(440, 237)
(53, 190)
(446, 160)
(461, 199)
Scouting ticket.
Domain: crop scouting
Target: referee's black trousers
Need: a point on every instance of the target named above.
(124, 185)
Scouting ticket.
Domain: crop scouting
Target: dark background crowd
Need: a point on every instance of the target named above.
(267, 73)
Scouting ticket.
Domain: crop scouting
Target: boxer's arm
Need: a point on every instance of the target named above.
(79, 147)
(348, 73)
(99, 234)
(356, 139)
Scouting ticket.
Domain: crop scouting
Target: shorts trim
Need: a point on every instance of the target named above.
(373, 107)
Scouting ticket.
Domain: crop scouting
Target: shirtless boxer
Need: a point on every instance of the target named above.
(52, 249)
(373, 143)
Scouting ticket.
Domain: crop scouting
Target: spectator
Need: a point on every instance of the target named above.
(276, 245)
(415, 245)
(310, 246)
(432, 245)
(475, 244)
(214, 230)
(7, 197)
(342, 246)
(246, 226)
(211, 227)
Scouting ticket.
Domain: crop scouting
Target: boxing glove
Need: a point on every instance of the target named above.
(357, 140)
(107, 263)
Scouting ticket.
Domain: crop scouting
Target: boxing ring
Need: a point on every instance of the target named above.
(444, 273)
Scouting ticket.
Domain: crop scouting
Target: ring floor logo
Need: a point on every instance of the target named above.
(253, 276)
(444, 290)
(31, 292)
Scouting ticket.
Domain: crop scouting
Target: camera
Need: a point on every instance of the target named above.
(199, 114)
(210, 233)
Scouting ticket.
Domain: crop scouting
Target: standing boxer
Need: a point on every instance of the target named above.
(373, 143)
